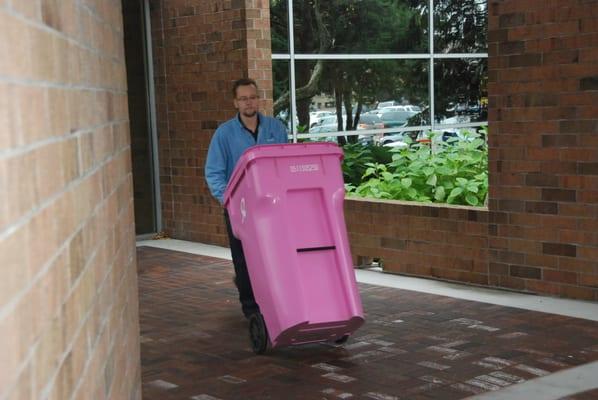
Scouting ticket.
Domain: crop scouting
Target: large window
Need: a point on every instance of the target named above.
(369, 69)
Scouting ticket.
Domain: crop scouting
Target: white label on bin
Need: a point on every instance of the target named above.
(243, 210)
(304, 168)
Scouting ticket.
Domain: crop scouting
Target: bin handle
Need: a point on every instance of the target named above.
(232, 186)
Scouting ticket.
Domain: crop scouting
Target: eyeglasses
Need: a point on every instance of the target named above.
(247, 99)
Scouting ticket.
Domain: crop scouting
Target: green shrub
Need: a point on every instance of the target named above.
(358, 157)
(454, 172)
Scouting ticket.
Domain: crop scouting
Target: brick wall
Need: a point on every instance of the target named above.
(543, 86)
(420, 239)
(68, 295)
(200, 48)
(539, 233)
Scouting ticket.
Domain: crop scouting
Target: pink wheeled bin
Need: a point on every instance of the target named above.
(285, 203)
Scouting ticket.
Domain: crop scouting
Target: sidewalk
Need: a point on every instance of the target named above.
(416, 344)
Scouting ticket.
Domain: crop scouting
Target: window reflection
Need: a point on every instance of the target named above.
(349, 27)
(387, 86)
(279, 17)
(357, 95)
(460, 26)
(460, 91)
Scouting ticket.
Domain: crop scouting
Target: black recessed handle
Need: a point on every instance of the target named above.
(315, 248)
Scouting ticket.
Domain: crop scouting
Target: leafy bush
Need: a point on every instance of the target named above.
(358, 157)
(454, 172)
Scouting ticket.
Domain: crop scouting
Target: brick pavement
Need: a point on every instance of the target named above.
(195, 344)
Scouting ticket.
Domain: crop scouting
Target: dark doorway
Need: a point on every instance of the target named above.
(141, 116)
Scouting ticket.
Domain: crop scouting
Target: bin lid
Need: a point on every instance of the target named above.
(275, 151)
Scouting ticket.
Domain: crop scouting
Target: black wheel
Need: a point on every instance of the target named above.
(342, 340)
(258, 333)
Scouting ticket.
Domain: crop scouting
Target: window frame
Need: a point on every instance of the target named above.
(431, 56)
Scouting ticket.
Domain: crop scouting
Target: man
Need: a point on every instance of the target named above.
(230, 140)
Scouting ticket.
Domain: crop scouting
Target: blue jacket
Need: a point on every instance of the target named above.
(230, 140)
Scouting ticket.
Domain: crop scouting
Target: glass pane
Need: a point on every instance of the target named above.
(279, 17)
(374, 94)
(360, 26)
(280, 76)
(141, 140)
(460, 26)
(460, 91)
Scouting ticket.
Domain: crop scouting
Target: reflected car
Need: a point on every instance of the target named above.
(446, 133)
(393, 119)
(327, 124)
(396, 140)
(396, 144)
(390, 103)
(316, 116)
(405, 107)
(369, 121)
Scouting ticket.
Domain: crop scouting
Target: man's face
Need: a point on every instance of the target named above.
(246, 100)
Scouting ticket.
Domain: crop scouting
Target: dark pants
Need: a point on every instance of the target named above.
(248, 304)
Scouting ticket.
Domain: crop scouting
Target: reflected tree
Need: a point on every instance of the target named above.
(460, 26)
(312, 36)
(347, 26)
(373, 26)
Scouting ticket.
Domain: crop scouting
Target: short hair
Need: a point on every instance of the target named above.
(242, 82)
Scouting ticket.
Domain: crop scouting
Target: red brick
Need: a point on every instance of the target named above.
(578, 210)
(578, 154)
(588, 253)
(577, 237)
(498, 243)
(498, 269)
(588, 168)
(542, 154)
(579, 126)
(541, 207)
(577, 265)
(552, 221)
(588, 196)
(588, 23)
(559, 195)
(524, 246)
(510, 257)
(560, 276)
(512, 283)
(588, 55)
(588, 280)
(543, 260)
(559, 140)
(548, 288)
(418, 270)
(577, 292)
(511, 20)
